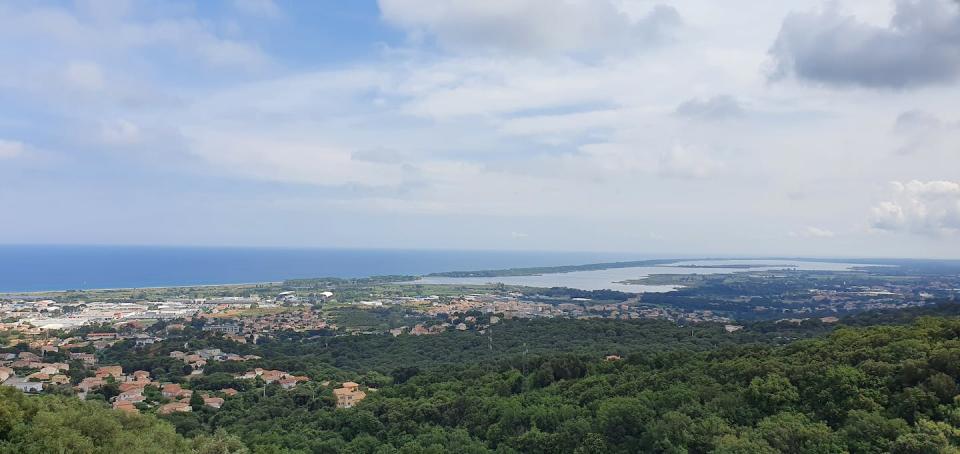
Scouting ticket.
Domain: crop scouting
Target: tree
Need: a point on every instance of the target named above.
(196, 401)
(732, 444)
(871, 432)
(772, 394)
(795, 433)
(219, 443)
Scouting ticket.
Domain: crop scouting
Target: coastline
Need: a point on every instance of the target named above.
(152, 287)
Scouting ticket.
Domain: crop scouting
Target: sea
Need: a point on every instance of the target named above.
(34, 268)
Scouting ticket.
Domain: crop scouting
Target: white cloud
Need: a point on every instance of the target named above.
(922, 132)
(65, 32)
(715, 108)
(919, 47)
(10, 149)
(530, 26)
(918, 207)
(84, 75)
(105, 10)
(687, 162)
(813, 232)
(264, 8)
(509, 123)
(120, 132)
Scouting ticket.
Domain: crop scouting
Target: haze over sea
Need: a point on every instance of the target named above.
(30, 268)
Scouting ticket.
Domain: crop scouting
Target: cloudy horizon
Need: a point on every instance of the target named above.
(802, 128)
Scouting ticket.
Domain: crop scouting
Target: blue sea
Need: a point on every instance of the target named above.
(43, 268)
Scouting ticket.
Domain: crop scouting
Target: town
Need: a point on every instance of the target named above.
(63, 342)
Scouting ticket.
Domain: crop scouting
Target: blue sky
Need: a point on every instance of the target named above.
(687, 127)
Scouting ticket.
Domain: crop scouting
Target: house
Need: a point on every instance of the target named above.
(213, 402)
(176, 354)
(132, 385)
(143, 341)
(133, 395)
(251, 374)
(141, 375)
(290, 381)
(182, 407)
(89, 384)
(87, 358)
(5, 373)
(419, 330)
(224, 328)
(271, 376)
(38, 376)
(175, 327)
(24, 385)
(236, 338)
(171, 390)
(59, 379)
(60, 366)
(349, 395)
(125, 406)
(110, 371)
(210, 353)
(27, 356)
(229, 392)
(613, 358)
(101, 336)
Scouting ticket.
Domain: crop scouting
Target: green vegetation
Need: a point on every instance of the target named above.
(878, 382)
(48, 424)
(877, 389)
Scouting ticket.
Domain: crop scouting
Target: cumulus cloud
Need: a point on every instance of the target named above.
(920, 46)
(529, 26)
(10, 149)
(716, 108)
(918, 207)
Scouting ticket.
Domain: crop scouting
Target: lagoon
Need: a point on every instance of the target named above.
(610, 279)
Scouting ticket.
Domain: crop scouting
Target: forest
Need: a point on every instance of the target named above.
(887, 387)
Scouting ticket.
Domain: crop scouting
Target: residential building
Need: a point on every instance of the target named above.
(349, 395)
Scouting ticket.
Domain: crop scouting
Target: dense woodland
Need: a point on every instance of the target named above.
(889, 387)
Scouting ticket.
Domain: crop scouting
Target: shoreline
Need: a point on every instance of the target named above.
(153, 287)
(506, 273)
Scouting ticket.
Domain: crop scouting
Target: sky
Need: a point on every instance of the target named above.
(807, 128)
